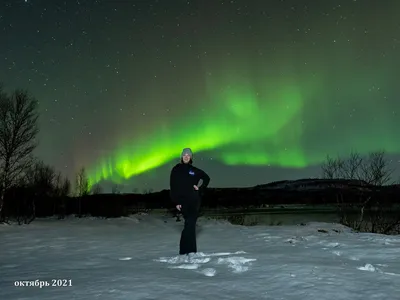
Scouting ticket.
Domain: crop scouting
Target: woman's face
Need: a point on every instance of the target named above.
(186, 158)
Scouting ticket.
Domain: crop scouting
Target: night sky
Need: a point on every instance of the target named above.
(260, 90)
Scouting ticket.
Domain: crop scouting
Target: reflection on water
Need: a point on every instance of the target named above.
(277, 219)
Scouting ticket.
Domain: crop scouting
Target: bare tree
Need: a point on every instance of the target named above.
(82, 187)
(46, 181)
(18, 131)
(332, 168)
(351, 167)
(62, 189)
(372, 169)
(66, 187)
(116, 189)
(62, 186)
(41, 178)
(372, 214)
(376, 170)
(339, 168)
(42, 182)
(82, 183)
(96, 189)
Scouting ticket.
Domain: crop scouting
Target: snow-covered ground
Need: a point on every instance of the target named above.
(136, 258)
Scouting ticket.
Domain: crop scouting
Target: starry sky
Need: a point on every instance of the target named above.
(260, 90)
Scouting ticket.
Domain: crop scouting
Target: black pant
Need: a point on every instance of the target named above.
(190, 212)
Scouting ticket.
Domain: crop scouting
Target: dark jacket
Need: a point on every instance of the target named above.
(183, 178)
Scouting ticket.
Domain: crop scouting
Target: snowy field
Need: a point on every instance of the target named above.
(136, 258)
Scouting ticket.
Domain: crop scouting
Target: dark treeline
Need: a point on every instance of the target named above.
(25, 204)
(30, 189)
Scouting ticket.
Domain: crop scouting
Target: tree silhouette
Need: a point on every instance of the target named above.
(45, 181)
(82, 183)
(116, 189)
(372, 169)
(18, 130)
(96, 189)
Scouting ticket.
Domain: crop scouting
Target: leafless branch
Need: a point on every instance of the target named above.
(18, 131)
(82, 183)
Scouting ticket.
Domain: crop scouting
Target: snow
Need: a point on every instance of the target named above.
(136, 258)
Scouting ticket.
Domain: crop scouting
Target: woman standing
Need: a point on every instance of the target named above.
(186, 193)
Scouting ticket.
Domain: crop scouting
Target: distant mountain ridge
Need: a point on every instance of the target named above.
(313, 184)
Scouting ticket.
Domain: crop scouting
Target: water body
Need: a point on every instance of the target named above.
(276, 219)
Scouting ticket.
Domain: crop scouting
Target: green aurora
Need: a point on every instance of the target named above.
(246, 124)
(236, 121)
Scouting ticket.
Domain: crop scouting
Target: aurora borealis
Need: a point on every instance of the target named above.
(237, 121)
(260, 90)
